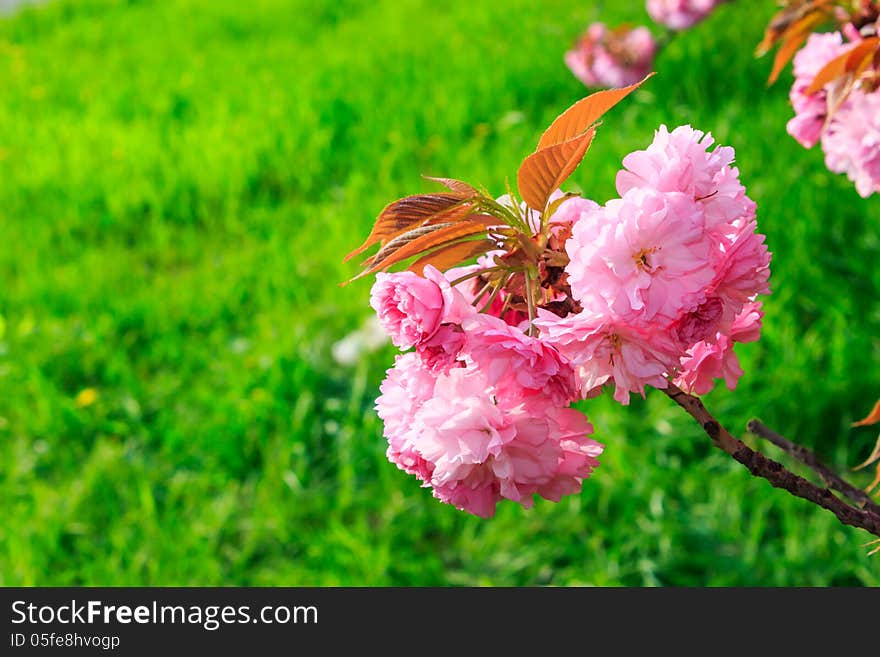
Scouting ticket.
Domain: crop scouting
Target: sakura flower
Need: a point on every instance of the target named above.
(644, 258)
(605, 351)
(493, 428)
(680, 161)
(743, 270)
(852, 141)
(524, 368)
(571, 210)
(455, 306)
(811, 109)
(461, 425)
(707, 361)
(680, 14)
(407, 386)
(701, 323)
(550, 456)
(484, 453)
(612, 58)
(411, 308)
(439, 353)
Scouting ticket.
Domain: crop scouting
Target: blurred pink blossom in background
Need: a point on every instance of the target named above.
(680, 14)
(612, 58)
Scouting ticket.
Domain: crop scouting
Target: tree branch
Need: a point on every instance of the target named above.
(808, 458)
(775, 473)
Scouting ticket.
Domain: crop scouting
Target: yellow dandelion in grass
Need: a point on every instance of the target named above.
(86, 397)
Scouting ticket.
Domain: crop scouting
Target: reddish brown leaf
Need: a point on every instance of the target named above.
(865, 50)
(457, 186)
(400, 241)
(794, 39)
(428, 237)
(410, 212)
(584, 113)
(786, 19)
(542, 172)
(831, 71)
(872, 418)
(453, 254)
(851, 61)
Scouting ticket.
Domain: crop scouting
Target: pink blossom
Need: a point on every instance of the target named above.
(707, 361)
(409, 307)
(571, 210)
(680, 161)
(700, 324)
(524, 368)
(461, 425)
(407, 386)
(612, 58)
(439, 353)
(477, 434)
(811, 109)
(852, 141)
(455, 306)
(527, 452)
(680, 14)
(605, 351)
(742, 271)
(643, 258)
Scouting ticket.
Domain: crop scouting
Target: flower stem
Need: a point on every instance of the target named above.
(529, 302)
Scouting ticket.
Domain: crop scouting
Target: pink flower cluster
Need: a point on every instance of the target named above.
(663, 282)
(479, 410)
(667, 275)
(612, 58)
(851, 138)
(680, 14)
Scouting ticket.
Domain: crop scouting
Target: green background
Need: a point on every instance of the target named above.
(178, 183)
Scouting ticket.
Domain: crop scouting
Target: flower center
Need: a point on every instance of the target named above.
(615, 341)
(643, 262)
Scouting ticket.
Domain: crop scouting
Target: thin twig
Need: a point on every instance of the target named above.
(809, 459)
(775, 473)
(530, 304)
(480, 294)
(474, 274)
(501, 283)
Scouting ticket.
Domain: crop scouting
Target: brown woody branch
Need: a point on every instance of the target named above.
(808, 458)
(774, 472)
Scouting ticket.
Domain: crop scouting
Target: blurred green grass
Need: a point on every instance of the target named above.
(178, 182)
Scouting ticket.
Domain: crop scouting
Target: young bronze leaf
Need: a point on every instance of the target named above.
(584, 113)
(849, 62)
(873, 417)
(542, 172)
(786, 20)
(452, 255)
(794, 39)
(862, 55)
(407, 213)
(441, 235)
(457, 186)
